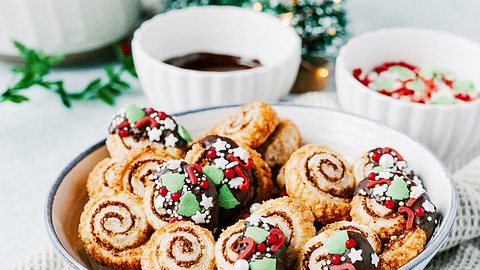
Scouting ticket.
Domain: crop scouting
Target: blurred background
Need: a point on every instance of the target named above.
(39, 137)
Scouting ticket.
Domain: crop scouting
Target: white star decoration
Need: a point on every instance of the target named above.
(379, 190)
(199, 217)
(206, 202)
(220, 163)
(384, 175)
(220, 145)
(173, 164)
(416, 191)
(428, 206)
(355, 255)
(241, 153)
(169, 124)
(154, 134)
(375, 259)
(170, 141)
(253, 219)
(158, 203)
(235, 182)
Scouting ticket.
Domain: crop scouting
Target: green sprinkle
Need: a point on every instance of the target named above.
(226, 198)
(257, 234)
(398, 189)
(463, 86)
(263, 264)
(427, 73)
(382, 85)
(173, 181)
(443, 99)
(416, 85)
(184, 134)
(213, 173)
(188, 205)
(377, 169)
(134, 113)
(402, 72)
(336, 243)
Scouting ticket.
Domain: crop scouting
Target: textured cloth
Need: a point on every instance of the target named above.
(460, 251)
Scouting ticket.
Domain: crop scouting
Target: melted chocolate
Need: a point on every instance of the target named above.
(213, 62)
(427, 222)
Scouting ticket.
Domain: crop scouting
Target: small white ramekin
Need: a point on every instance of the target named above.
(214, 29)
(446, 129)
(66, 26)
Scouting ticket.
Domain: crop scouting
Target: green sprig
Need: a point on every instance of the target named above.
(37, 66)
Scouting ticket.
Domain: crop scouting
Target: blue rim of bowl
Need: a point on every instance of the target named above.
(432, 246)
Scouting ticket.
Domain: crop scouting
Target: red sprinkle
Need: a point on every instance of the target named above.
(204, 184)
(261, 247)
(146, 120)
(211, 153)
(350, 243)
(173, 220)
(283, 193)
(390, 204)
(280, 236)
(391, 150)
(123, 124)
(246, 215)
(378, 182)
(345, 266)
(125, 49)
(336, 259)
(412, 201)
(229, 173)
(410, 216)
(419, 212)
(163, 191)
(191, 173)
(247, 251)
(175, 196)
(162, 115)
(123, 133)
(371, 176)
(376, 156)
(246, 166)
(149, 110)
(272, 239)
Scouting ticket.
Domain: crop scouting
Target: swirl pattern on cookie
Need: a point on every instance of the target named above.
(181, 191)
(135, 127)
(342, 245)
(227, 247)
(322, 179)
(114, 229)
(137, 165)
(180, 245)
(251, 126)
(103, 177)
(295, 220)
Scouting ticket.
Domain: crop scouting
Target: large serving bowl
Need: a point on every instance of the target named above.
(214, 29)
(348, 134)
(448, 130)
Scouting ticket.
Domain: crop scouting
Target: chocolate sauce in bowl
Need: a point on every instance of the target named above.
(203, 61)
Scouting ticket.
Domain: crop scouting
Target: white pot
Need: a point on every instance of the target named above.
(226, 30)
(65, 26)
(446, 129)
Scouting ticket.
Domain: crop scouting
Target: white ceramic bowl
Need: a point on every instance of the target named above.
(65, 26)
(227, 30)
(447, 129)
(348, 134)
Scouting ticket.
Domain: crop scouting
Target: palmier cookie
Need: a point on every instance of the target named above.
(295, 220)
(180, 245)
(135, 127)
(181, 191)
(321, 178)
(281, 144)
(114, 229)
(251, 125)
(240, 175)
(103, 177)
(380, 159)
(342, 245)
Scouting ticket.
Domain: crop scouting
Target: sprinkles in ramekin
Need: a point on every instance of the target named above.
(408, 82)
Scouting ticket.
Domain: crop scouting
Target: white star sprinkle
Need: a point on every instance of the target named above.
(375, 259)
(220, 163)
(158, 203)
(253, 219)
(154, 134)
(235, 182)
(384, 175)
(220, 145)
(173, 164)
(206, 202)
(428, 206)
(379, 190)
(241, 153)
(169, 124)
(416, 192)
(199, 217)
(170, 141)
(355, 255)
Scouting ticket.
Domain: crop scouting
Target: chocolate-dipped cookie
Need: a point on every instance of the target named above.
(135, 127)
(180, 191)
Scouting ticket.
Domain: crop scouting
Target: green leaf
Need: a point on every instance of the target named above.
(15, 98)
(55, 59)
(93, 85)
(105, 96)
